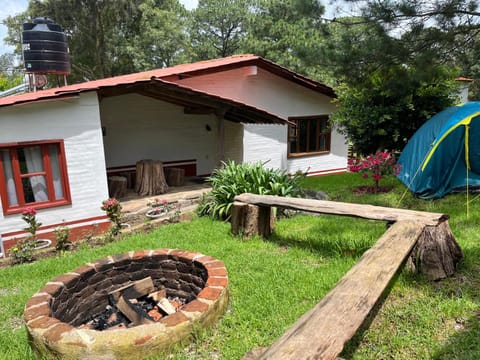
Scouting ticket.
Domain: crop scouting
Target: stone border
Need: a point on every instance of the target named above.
(53, 339)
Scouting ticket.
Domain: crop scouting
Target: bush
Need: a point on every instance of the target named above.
(235, 179)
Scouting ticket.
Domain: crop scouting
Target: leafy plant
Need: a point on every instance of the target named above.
(375, 166)
(235, 179)
(29, 215)
(61, 236)
(22, 251)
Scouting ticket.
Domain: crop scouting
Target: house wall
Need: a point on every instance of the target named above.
(268, 143)
(77, 122)
(139, 127)
(233, 141)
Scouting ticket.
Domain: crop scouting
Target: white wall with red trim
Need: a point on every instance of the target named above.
(77, 122)
(268, 143)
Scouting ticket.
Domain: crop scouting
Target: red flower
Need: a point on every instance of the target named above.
(29, 212)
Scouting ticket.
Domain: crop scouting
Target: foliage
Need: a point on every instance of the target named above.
(114, 212)
(390, 104)
(375, 166)
(234, 179)
(61, 236)
(217, 28)
(22, 251)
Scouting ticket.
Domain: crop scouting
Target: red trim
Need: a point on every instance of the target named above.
(190, 167)
(47, 173)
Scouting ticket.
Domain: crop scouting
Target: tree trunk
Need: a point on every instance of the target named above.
(150, 178)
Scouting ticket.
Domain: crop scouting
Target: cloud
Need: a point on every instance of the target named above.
(8, 8)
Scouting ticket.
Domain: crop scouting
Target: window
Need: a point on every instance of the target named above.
(309, 135)
(33, 175)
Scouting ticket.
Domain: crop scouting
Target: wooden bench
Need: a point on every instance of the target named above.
(322, 332)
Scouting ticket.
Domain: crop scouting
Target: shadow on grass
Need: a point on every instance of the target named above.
(329, 236)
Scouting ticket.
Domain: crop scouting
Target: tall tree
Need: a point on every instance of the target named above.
(286, 31)
(218, 27)
(161, 40)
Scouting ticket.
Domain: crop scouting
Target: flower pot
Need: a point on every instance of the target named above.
(156, 213)
(42, 244)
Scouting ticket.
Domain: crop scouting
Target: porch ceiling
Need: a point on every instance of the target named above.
(194, 101)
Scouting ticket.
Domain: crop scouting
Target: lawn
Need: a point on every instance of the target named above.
(274, 282)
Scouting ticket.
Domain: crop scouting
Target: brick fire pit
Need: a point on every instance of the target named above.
(53, 315)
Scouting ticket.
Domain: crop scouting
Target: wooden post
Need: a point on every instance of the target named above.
(249, 220)
(150, 178)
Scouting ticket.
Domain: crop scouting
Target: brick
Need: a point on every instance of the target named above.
(217, 281)
(43, 322)
(174, 319)
(143, 340)
(217, 272)
(35, 300)
(205, 259)
(195, 306)
(214, 265)
(56, 332)
(52, 289)
(37, 311)
(140, 254)
(210, 293)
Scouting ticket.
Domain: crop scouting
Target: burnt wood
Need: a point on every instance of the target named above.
(134, 290)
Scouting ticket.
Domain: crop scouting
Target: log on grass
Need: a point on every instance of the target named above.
(322, 332)
(436, 253)
(345, 209)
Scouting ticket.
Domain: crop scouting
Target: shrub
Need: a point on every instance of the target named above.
(61, 236)
(22, 251)
(114, 212)
(235, 179)
(375, 166)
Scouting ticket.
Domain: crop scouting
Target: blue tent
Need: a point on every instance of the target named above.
(444, 154)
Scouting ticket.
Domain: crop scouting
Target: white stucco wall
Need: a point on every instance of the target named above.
(77, 122)
(233, 141)
(139, 127)
(264, 90)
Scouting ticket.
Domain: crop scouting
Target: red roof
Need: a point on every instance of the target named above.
(159, 74)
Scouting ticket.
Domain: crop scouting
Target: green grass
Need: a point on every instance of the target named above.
(274, 282)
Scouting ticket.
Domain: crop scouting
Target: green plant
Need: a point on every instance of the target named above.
(235, 179)
(22, 251)
(29, 215)
(114, 212)
(61, 236)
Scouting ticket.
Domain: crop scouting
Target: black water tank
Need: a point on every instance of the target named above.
(45, 49)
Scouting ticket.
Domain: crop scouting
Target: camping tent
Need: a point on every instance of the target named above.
(444, 154)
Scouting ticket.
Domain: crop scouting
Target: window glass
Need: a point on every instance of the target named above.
(10, 182)
(56, 175)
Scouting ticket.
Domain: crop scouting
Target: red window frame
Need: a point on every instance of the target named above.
(322, 132)
(47, 173)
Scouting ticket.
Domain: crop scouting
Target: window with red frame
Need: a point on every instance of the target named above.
(309, 135)
(33, 175)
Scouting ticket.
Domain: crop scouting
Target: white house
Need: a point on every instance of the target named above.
(58, 145)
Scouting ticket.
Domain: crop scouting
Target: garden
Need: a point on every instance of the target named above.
(273, 282)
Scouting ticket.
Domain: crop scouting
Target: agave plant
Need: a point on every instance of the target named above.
(233, 179)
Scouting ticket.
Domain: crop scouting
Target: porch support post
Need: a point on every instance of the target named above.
(221, 135)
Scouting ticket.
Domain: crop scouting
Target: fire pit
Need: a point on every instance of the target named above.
(59, 317)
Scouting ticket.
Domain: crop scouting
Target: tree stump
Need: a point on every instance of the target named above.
(150, 179)
(117, 186)
(436, 253)
(175, 176)
(248, 220)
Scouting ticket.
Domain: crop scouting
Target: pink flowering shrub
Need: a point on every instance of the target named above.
(114, 212)
(375, 166)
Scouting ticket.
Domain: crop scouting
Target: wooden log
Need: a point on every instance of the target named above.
(150, 178)
(436, 253)
(135, 315)
(345, 209)
(134, 290)
(175, 176)
(249, 220)
(117, 186)
(322, 332)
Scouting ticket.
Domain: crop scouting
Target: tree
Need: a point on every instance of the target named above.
(161, 40)
(10, 75)
(217, 28)
(286, 32)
